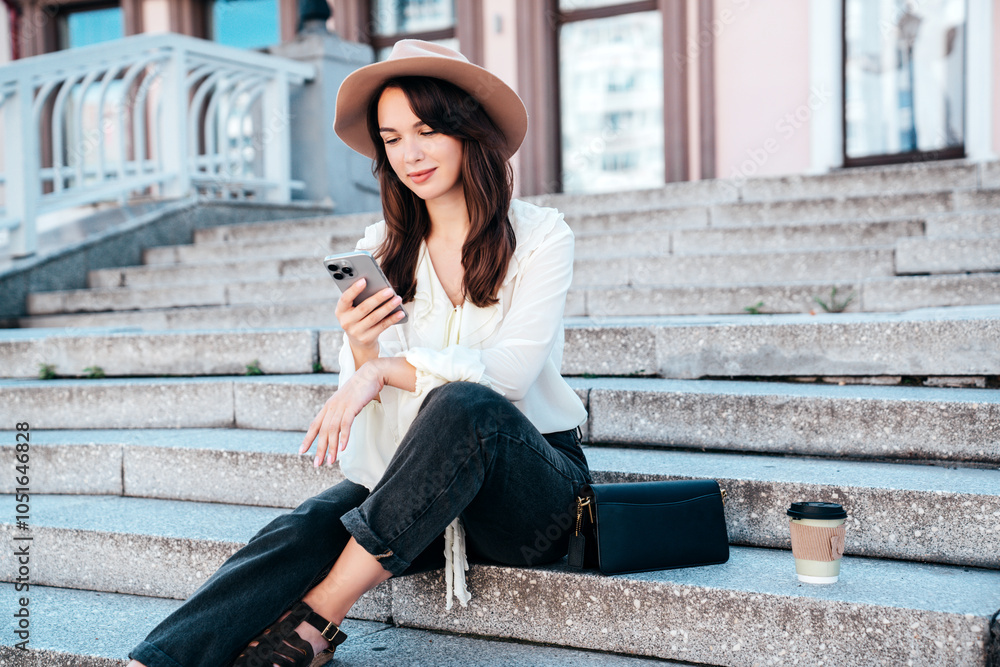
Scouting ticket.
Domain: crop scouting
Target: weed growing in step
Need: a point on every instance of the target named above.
(93, 372)
(755, 309)
(253, 368)
(317, 367)
(46, 371)
(834, 306)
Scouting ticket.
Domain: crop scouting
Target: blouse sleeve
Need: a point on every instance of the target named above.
(526, 334)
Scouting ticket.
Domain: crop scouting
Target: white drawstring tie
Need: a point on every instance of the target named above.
(455, 564)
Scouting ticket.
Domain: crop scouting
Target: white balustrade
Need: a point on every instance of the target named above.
(161, 115)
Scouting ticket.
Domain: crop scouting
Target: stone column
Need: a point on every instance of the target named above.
(330, 170)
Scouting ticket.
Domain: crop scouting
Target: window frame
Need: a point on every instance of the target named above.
(949, 153)
(539, 22)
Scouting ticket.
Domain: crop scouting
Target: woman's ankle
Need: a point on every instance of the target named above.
(313, 636)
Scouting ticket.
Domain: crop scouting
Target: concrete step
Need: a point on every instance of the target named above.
(841, 264)
(280, 303)
(673, 270)
(897, 611)
(285, 402)
(271, 313)
(958, 225)
(745, 239)
(63, 632)
(704, 267)
(880, 180)
(989, 175)
(948, 255)
(894, 422)
(207, 272)
(844, 344)
(353, 223)
(886, 294)
(912, 292)
(914, 177)
(132, 352)
(824, 209)
(321, 289)
(908, 512)
(880, 613)
(144, 546)
(317, 247)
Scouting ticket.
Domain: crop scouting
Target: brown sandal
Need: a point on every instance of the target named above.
(280, 645)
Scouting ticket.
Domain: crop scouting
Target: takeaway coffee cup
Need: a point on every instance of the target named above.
(817, 540)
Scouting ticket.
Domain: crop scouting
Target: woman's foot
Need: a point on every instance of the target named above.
(292, 642)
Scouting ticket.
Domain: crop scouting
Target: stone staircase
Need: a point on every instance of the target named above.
(145, 480)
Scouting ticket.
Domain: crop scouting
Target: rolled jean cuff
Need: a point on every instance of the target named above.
(149, 655)
(372, 543)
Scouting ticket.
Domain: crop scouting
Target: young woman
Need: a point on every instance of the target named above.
(455, 424)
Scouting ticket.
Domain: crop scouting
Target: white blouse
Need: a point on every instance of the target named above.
(515, 347)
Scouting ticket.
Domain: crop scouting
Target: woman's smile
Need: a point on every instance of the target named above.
(421, 176)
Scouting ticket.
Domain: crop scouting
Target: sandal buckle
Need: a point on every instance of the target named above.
(330, 637)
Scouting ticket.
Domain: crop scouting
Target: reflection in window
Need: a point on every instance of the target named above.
(611, 80)
(392, 17)
(246, 24)
(904, 70)
(82, 28)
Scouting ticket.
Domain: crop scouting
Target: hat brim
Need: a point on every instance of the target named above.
(498, 100)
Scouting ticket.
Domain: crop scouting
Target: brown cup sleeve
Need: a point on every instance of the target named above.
(820, 543)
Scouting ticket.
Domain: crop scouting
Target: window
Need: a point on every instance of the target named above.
(430, 20)
(904, 80)
(90, 25)
(611, 101)
(246, 24)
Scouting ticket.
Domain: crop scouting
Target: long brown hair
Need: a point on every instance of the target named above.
(487, 179)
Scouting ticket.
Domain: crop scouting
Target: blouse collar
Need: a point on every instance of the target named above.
(431, 304)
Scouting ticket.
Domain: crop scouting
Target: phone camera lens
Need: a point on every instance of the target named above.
(338, 276)
(348, 271)
(333, 268)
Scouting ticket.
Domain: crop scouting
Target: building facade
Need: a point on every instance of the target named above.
(629, 94)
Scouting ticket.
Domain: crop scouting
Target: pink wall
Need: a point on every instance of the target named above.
(762, 87)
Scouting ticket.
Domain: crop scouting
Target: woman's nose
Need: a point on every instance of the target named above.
(412, 151)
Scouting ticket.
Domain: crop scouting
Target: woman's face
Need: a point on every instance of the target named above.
(428, 162)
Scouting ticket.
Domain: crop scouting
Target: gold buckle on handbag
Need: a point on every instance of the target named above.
(723, 496)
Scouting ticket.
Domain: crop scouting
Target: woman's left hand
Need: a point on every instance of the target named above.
(332, 425)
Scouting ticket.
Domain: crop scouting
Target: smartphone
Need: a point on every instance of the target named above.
(349, 267)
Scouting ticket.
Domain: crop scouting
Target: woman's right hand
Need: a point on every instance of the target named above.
(365, 322)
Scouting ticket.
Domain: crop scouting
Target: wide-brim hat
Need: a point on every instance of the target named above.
(415, 57)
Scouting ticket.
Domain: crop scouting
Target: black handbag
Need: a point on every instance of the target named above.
(643, 526)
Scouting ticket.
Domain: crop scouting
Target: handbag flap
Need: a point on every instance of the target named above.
(644, 526)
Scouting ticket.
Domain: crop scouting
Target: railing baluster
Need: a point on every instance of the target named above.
(188, 75)
(80, 150)
(275, 141)
(21, 157)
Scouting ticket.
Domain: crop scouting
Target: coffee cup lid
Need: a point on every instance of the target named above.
(816, 510)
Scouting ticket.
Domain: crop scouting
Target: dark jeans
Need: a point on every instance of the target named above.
(469, 453)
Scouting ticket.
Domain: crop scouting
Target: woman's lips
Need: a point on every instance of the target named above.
(421, 176)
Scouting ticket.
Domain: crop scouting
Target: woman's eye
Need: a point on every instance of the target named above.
(429, 132)
(390, 142)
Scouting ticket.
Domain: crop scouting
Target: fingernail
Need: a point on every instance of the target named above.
(316, 462)
(387, 292)
(329, 459)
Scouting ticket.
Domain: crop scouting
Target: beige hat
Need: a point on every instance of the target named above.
(415, 57)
